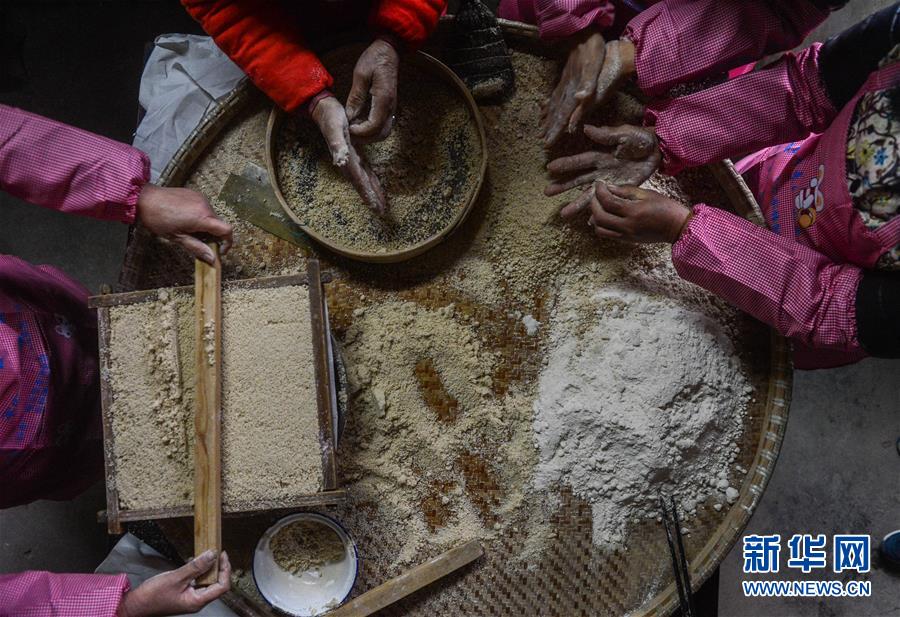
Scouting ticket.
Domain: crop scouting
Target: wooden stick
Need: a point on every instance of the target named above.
(207, 411)
(401, 586)
(324, 403)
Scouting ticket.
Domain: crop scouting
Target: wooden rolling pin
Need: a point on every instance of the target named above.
(401, 586)
(207, 411)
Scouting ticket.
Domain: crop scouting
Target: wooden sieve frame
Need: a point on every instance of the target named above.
(330, 492)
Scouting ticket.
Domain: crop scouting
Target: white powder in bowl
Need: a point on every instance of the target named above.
(644, 397)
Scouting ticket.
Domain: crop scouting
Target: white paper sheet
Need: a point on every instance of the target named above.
(183, 79)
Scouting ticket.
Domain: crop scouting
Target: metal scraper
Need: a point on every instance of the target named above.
(251, 198)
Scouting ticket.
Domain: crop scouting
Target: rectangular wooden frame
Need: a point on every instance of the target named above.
(331, 492)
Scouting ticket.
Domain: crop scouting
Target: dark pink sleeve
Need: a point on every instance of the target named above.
(63, 595)
(785, 102)
(61, 167)
(561, 18)
(799, 292)
(679, 41)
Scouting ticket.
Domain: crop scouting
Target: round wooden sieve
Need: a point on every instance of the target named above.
(437, 68)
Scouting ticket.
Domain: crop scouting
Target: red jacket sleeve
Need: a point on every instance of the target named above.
(796, 290)
(678, 41)
(264, 40)
(65, 595)
(412, 21)
(782, 103)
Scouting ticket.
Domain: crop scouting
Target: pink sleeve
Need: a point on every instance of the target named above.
(679, 41)
(559, 18)
(61, 167)
(799, 292)
(35, 594)
(783, 103)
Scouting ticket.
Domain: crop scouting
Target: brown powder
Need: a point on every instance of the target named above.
(302, 546)
(412, 370)
(427, 166)
(269, 417)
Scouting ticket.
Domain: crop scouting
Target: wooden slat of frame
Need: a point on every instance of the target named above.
(323, 387)
(317, 500)
(136, 297)
(113, 525)
(208, 411)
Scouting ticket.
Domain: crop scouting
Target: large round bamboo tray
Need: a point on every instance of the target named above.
(572, 577)
(439, 69)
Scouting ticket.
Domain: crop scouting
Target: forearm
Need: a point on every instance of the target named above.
(783, 103)
(411, 21)
(263, 39)
(794, 289)
(58, 166)
(679, 41)
(64, 595)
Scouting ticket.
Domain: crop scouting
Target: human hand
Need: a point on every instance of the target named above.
(329, 115)
(634, 158)
(375, 76)
(577, 85)
(618, 65)
(634, 214)
(171, 593)
(178, 214)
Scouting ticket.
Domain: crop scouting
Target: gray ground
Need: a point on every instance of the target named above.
(838, 471)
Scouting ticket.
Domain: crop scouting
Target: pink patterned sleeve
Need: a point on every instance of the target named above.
(561, 18)
(36, 594)
(783, 103)
(679, 41)
(796, 290)
(61, 167)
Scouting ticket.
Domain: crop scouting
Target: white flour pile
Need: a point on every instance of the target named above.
(640, 397)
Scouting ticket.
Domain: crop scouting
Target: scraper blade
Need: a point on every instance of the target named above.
(251, 198)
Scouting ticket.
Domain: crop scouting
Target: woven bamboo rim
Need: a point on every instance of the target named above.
(438, 68)
(778, 398)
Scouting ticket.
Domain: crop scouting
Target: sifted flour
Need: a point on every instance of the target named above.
(649, 399)
(270, 448)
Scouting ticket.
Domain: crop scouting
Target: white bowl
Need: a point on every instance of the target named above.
(310, 593)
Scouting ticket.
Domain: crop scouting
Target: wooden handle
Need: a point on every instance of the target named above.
(401, 586)
(207, 411)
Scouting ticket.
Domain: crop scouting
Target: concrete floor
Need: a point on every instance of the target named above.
(838, 472)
